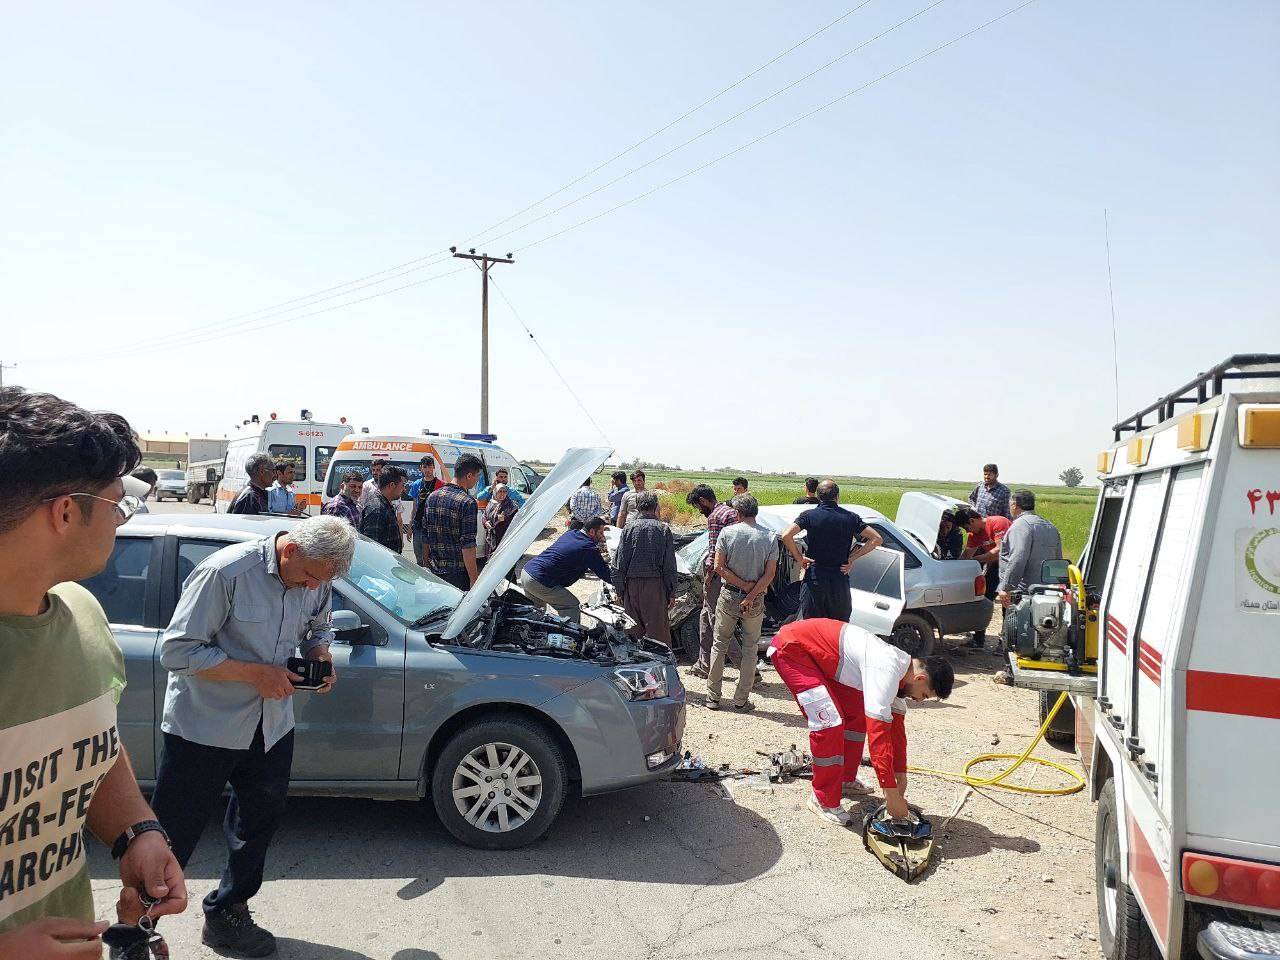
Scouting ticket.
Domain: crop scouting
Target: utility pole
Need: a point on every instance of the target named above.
(3, 368)
(484, 261)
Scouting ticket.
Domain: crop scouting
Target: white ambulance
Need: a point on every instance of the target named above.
(358, 451)
(1179, 728)
(306, 443)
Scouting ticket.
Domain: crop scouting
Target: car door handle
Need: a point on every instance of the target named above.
(881, 605)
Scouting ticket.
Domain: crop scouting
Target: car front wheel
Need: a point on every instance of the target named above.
(499, 784)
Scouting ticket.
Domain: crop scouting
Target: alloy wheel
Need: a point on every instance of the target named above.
(497, 787)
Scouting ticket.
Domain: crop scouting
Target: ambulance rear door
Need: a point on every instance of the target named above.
(876, 590)
(1123, 600)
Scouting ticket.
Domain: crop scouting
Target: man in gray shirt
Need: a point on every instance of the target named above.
(228, 708)
(644, 569)
(1030, 541)
(746, 561)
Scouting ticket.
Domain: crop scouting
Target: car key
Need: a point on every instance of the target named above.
(140, 942)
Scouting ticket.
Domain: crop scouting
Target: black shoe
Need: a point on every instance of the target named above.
(232, 929)
(978, 641)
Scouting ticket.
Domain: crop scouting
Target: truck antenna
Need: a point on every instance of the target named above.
(1111, 290)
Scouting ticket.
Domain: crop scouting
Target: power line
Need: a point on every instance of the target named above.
(551, 363)
(663, 129)
(777, 130)
(220, 335)
(427, 261)
(715, 127)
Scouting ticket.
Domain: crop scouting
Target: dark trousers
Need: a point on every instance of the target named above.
(992, 573)
(825, 597)
(645, 600)
(190, 781)
(458, 578)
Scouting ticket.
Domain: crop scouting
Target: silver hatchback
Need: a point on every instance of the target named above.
(480, 699)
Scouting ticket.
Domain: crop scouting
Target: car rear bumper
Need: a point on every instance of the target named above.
(961, 617)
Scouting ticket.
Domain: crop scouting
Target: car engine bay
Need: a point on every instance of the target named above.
(511, 624)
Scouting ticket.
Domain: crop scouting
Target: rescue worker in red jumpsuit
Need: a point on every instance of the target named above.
(850, 686)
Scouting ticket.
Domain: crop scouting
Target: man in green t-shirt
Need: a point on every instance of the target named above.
(64, 488)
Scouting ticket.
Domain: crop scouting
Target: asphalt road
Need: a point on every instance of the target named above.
(670, 871)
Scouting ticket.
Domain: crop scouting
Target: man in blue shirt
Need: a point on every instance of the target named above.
(280, 499)
(546, 578)
(831, 548)
(418, 491)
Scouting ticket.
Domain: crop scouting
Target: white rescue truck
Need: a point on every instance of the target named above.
(1179, 727)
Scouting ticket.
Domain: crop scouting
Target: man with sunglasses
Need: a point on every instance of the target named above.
(64, 489)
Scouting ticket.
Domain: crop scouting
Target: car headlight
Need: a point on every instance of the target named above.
(641, 683)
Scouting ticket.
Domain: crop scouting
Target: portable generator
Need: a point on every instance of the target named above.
(1054, 625)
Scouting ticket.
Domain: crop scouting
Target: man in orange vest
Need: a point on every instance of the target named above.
(851, 685)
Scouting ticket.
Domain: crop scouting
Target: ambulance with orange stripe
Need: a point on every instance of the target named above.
(307, 444)
(358, 451)
(1180, 730)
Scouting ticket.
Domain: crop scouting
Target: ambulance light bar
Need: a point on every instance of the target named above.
(1194, 431)
(1105, 459)
(1227, 880)
(1138, 451)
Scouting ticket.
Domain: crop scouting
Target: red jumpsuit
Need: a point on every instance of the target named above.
(847, 682)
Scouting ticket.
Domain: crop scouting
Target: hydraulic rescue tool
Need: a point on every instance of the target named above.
(903, 846)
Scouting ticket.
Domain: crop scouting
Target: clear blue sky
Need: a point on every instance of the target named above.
(909, 283)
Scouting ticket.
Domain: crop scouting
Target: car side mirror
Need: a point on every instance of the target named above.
(346, 624)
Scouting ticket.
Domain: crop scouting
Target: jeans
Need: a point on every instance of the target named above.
(189, 782)
(826, 597)
(417, 546)
(559, 599)
(728, 615)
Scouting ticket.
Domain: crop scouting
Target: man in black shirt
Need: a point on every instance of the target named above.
(253, 498)
(831, 548)
(380, 521)
(810, 491)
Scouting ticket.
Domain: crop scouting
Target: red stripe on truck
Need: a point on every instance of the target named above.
(1149, 881)
(1149, 661)
(1234, 693)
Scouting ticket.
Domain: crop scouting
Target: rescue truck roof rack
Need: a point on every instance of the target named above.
(1202, 388)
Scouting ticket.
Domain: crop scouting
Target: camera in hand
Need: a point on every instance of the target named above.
(313, 672)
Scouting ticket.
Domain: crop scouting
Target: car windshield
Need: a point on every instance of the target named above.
(401, 588)
(689, 557)
(171, 474)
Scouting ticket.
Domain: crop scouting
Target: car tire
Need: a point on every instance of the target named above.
(1063, 730)
(483, 749)
(687, 639)
(1123, 933)
(914, 634)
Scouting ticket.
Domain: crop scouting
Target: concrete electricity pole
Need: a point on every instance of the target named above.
(485, 261)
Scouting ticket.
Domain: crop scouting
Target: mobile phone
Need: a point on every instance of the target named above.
(313, 672)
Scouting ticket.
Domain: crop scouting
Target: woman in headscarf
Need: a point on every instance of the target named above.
(497, 517)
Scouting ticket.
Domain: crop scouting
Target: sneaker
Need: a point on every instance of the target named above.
(759, 680)
(836, 816)
(744, 707)
(854, 789)
(698, 670)
(232, 929)
(713, 704)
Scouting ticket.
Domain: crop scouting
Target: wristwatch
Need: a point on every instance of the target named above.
(130, 833)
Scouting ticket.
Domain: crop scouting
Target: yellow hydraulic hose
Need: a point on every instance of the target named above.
(1019, 759)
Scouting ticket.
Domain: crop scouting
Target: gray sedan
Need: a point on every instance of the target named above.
(480, 699)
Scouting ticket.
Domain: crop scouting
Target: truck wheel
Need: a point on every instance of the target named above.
(1063, 730)
(499, 784)
(914, 634)
(193, 495)
(1122, 930)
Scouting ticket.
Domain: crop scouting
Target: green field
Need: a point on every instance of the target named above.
(1071, 509)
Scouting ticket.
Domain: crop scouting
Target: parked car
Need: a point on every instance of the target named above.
(171, 483)
(438, 689)
(942, 596)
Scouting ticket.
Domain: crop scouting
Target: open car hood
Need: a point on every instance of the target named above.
(553, 492)
(920, 512)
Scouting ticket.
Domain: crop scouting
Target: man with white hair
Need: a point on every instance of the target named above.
(228, 708)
